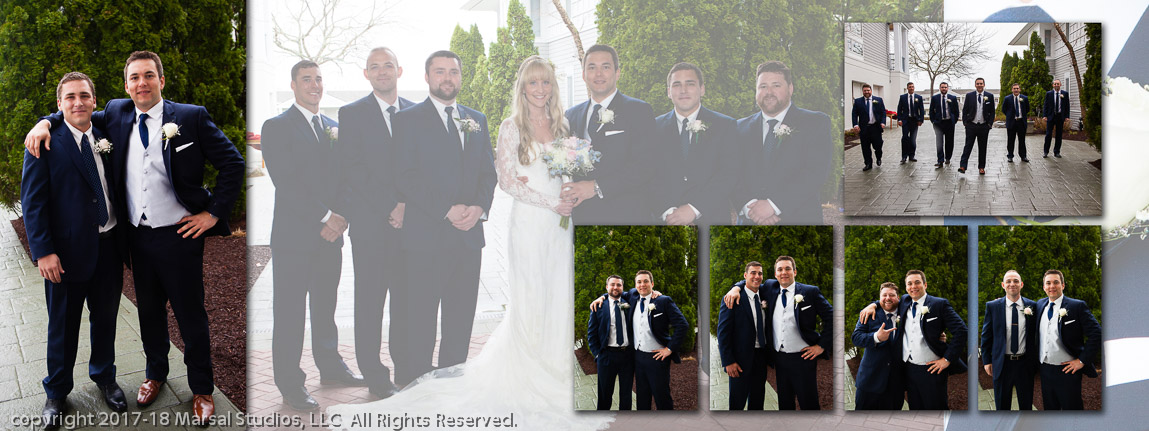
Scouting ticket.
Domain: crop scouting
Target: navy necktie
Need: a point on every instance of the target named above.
(1014, 333)
(595, 118)
(144, 130)
(618, 337)
(760, 321)
(387, 120)
(890, 318)
(642, 304)
(684, 135)
(320, 133)
(945, 101)
(784, 292)
(914, 310)
(94, 178)
(1049, 311)
(771, 140)
(451, 129)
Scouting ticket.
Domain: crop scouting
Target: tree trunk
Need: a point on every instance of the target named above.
(1076, 69)
(570, 26)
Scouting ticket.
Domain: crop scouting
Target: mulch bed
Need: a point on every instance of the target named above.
(958, 388)
(225, 298)
(1090, 389)
(683, 377)
(825, 383)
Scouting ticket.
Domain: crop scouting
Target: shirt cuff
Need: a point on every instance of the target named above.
(326, 217)
(876, 338)
(667, 213)
(746, 208)
(597, 190)
(777, 211)
(696, 213)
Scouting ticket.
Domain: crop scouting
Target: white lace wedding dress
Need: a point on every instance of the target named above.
(526, 366)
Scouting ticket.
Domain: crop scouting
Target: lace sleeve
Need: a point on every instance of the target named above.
(507, 162)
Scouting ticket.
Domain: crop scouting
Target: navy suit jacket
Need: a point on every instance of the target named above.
(793, 174)
(705, 178)
(936, 108)
(969, 109)
(904, 112)
(859, 117)
(370, 162)
(623, 172)
(665, 317)
(200, 141)
(307, 184)
(940, 317)
(1007, 108)
(813, 305)
(436, 174)
(60, 205)
(878, 358)
(736, 332)
(598, 327)
(1048, 110)
(1080, 333)
(993, 333)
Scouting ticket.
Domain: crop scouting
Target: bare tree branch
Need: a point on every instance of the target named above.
(1073, 59)
(322, 31)
(947, 49)
(570, 26)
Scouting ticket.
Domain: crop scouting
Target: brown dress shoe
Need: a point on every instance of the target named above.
(149, 391)
(202, 408)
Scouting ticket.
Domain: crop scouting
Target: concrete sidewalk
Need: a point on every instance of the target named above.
(23, 348)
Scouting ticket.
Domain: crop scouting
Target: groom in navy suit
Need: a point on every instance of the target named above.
(880, 381)
(697, 166)
(1054, 110)
(170, 211)
(742, 342)
(1009, 344)
(71, 214)
(609, 332)
(652, 321)
(368, 150)
(794, 310)
(622, 128)
(869, 119)
(1069, 340)
(787, 155)
(447, 180)
(910, 116)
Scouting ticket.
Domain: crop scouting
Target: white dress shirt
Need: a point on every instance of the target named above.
(690, 119)
(915, 350)
(441, 109)
(1052, 351)
(1020, 326)
(78, 136)
(787, 337)
(755, 310)
(383, 105)
(149, 187)
(590, 109)
(611, 340)
(644, 340)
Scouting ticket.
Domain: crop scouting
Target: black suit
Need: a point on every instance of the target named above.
(1010, 370)
(368, 151)
(61, 217)
(303, 168)
(1056, 111)
(869, 134)
(436, 172)
(910, 118)
(1015, 123)
(622, 173)
(737, 333)
(973, 130)
(792, 170)
(943, 126)
(704, 177)
(612, 362)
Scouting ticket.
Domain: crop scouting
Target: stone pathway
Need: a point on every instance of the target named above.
(23, 348)
(1068, 186)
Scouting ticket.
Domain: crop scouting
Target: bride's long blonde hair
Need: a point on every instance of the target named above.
(535, 68)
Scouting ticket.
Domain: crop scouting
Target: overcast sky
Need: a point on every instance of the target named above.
(997, 45)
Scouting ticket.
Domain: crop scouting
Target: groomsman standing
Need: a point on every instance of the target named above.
(742, 332)
(794, 310)
(869, 119)
(1016, 108)
(977, 114)
(1008, 344)
(910, 116)
(944, 115)
(880, 382)
(72, 217)
(1068, 339)
(1054, 111)
(609, 334)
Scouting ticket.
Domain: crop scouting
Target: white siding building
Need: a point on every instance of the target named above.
(1057, 55)
(876, 54)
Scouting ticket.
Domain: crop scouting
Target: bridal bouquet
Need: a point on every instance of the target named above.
(569, 157)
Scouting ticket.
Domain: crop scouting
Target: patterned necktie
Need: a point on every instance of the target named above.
(618, 337)
(684, 135)
(320, 133)
(144, 130)
(451, 129)
(1014, 333)
(94, 178)
(870, 107)
(760, 321)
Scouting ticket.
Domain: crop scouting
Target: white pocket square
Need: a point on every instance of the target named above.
(613, 132)
(804, 308)
(181, 147)
(1071, 321)
(931, 319)
(656, 315)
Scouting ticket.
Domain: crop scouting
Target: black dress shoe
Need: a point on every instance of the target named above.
(1009, 159)
(879, 162)
(902, 162)
(1025, 160)
(1057, 155)
(1045, 156)
(383, 391)
(913, 159)
(937, 165)
(299, 399)
(868, 167)
(114, 397)
(961, 170)
(342, 378)
(947, 161)
(53, 413)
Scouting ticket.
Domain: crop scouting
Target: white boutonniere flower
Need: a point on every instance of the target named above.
(1028, 311)
(1063, 312)
(925, 309)
(468, 125)
(798, 298)
(103, 146)
(605, 116)
(782, 131)
(651, 307)
(764, 305)
(169, 131)
(333, 133)
(624, 306)
(897, 319)
(696, 126)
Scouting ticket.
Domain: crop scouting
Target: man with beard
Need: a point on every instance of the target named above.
(608, 334)
(944, 115)
(879, 383)
(869, 119)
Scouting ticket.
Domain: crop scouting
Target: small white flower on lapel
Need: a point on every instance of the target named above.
(170, 130)
(333, 133)
(1028, 311)
(468, 125)
(624, 305)
(925, 309)
(763, 305)
(798, 298)
(651, 307)
(103, 146)
(1063, 312)
(696, 126)
(606, 116)
(782, 131)
(897, 319)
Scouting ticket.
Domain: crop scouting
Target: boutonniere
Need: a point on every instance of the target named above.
(782, 131)
(696, 126)
(651, 307)
(103, 146)
(605, 116)
(798, 298)
(468, 125)
(763, 305)
(925, 309)
(897, 319)
(624, 306)
(169, 131)
(1028, 311)
(1063, 312)
(333, 134)
(1064, 96)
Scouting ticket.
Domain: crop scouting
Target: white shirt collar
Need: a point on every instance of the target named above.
(605, 102)
(383, 105)
(156, 113)
(77, 134)
(751, 293)
(693, 115)
(439, 106)
(307, 114)
(781, 117)
(1009, 304)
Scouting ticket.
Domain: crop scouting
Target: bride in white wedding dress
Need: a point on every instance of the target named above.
(526, 366)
